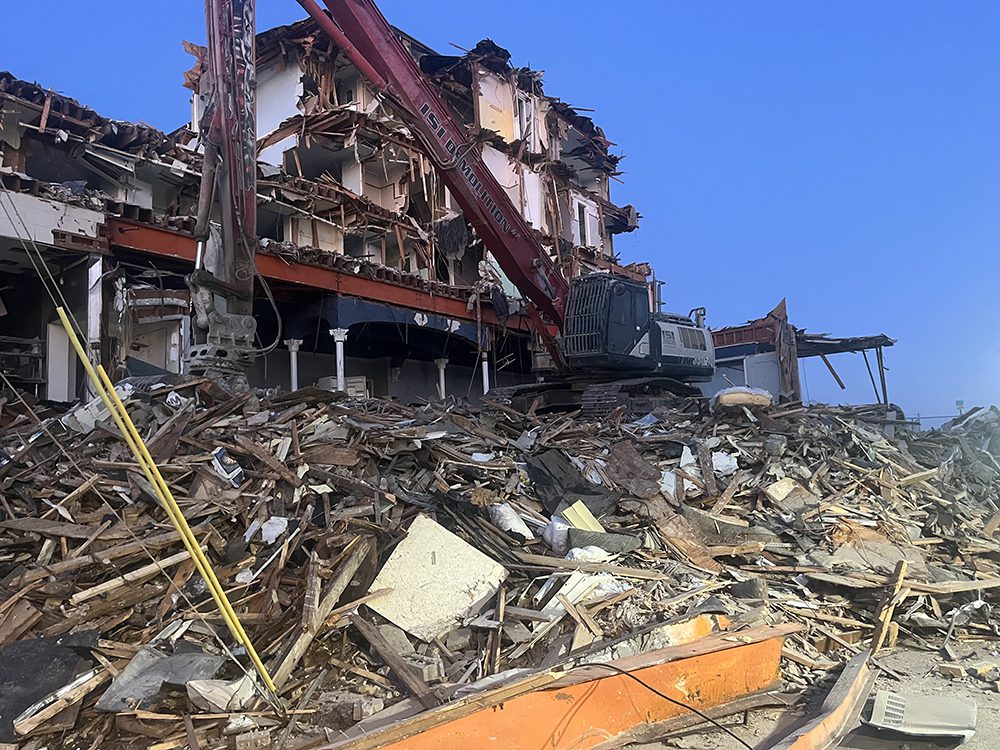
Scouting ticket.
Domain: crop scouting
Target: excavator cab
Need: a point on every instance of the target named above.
(609, 326)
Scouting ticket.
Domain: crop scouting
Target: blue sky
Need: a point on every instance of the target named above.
(843, 154)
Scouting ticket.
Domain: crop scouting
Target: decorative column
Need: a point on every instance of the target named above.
(339, 337)
(293, 360)
(486, 373)
(441, 364)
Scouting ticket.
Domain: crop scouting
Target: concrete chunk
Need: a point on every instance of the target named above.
(435, 579)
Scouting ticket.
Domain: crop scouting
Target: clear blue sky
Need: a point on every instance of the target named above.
(843, 154)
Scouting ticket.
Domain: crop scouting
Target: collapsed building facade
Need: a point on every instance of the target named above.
(364, 259)
(369, 277)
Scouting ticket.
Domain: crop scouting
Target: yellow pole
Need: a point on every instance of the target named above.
(181, 523)
(123, 421)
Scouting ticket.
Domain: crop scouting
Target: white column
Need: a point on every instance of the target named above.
(293, 360)
(486, 374)
(339, 337)
(441, 364)
(60, 365)
(95, 312)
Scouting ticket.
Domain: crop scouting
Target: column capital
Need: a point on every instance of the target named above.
(293, 344)
(339, 334)
(441, 362)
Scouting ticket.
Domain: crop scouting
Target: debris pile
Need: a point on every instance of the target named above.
(386, 558)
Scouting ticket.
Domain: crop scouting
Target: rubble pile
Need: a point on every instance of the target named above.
(382, 555)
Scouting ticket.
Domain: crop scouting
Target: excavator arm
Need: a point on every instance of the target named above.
(360, 30)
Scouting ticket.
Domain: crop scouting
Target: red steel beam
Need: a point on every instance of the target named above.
(161, 242)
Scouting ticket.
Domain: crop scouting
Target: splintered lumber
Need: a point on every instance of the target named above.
(705, 463)
(138, 574)
(268, 460)
(888, 606)
(308, 486)
(324, 605)
(545, 561)
(60, 528)
(919, 476)
(60, 700)
(155, 542)
(406, 674)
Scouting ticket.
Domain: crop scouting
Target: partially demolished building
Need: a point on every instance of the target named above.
(362, 251)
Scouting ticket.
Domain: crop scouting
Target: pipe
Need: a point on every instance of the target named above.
(879, 357)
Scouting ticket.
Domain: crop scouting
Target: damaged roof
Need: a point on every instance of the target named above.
(817, 344)
(488, 54)
(62, 112)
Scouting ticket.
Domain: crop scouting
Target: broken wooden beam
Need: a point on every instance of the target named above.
(406, 674)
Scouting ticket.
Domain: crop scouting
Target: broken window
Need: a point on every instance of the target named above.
(581, 221)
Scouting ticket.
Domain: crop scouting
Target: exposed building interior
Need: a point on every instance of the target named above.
(362, 245)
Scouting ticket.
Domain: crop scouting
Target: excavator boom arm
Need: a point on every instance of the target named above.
(371, 44)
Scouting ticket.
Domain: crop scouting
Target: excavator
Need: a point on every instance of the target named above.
(607, 345)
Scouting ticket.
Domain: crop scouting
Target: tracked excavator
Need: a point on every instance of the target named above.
(608, 347)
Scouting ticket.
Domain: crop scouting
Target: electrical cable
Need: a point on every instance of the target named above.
(676, 702)
(277, 313)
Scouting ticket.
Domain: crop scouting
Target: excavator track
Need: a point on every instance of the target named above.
(637, 395)
(595, 400)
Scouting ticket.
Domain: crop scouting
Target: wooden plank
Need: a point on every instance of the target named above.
(163, 444)
(326, 601)
(727, 494)
(136, 575)
(104, 556)
(249, 447)
(21, 617)
(60, 700)
(707, 469)
(992, 525)
(330, 455)
(799, 658)
(407, 674)
(361, 672)
(887, 607)
(563, 564)
(60, 528)
(80, 491)
(679, 534)
(189, 733)
(920, 476)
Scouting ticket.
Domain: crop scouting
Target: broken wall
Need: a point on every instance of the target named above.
(494, 103)
(279, 89)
